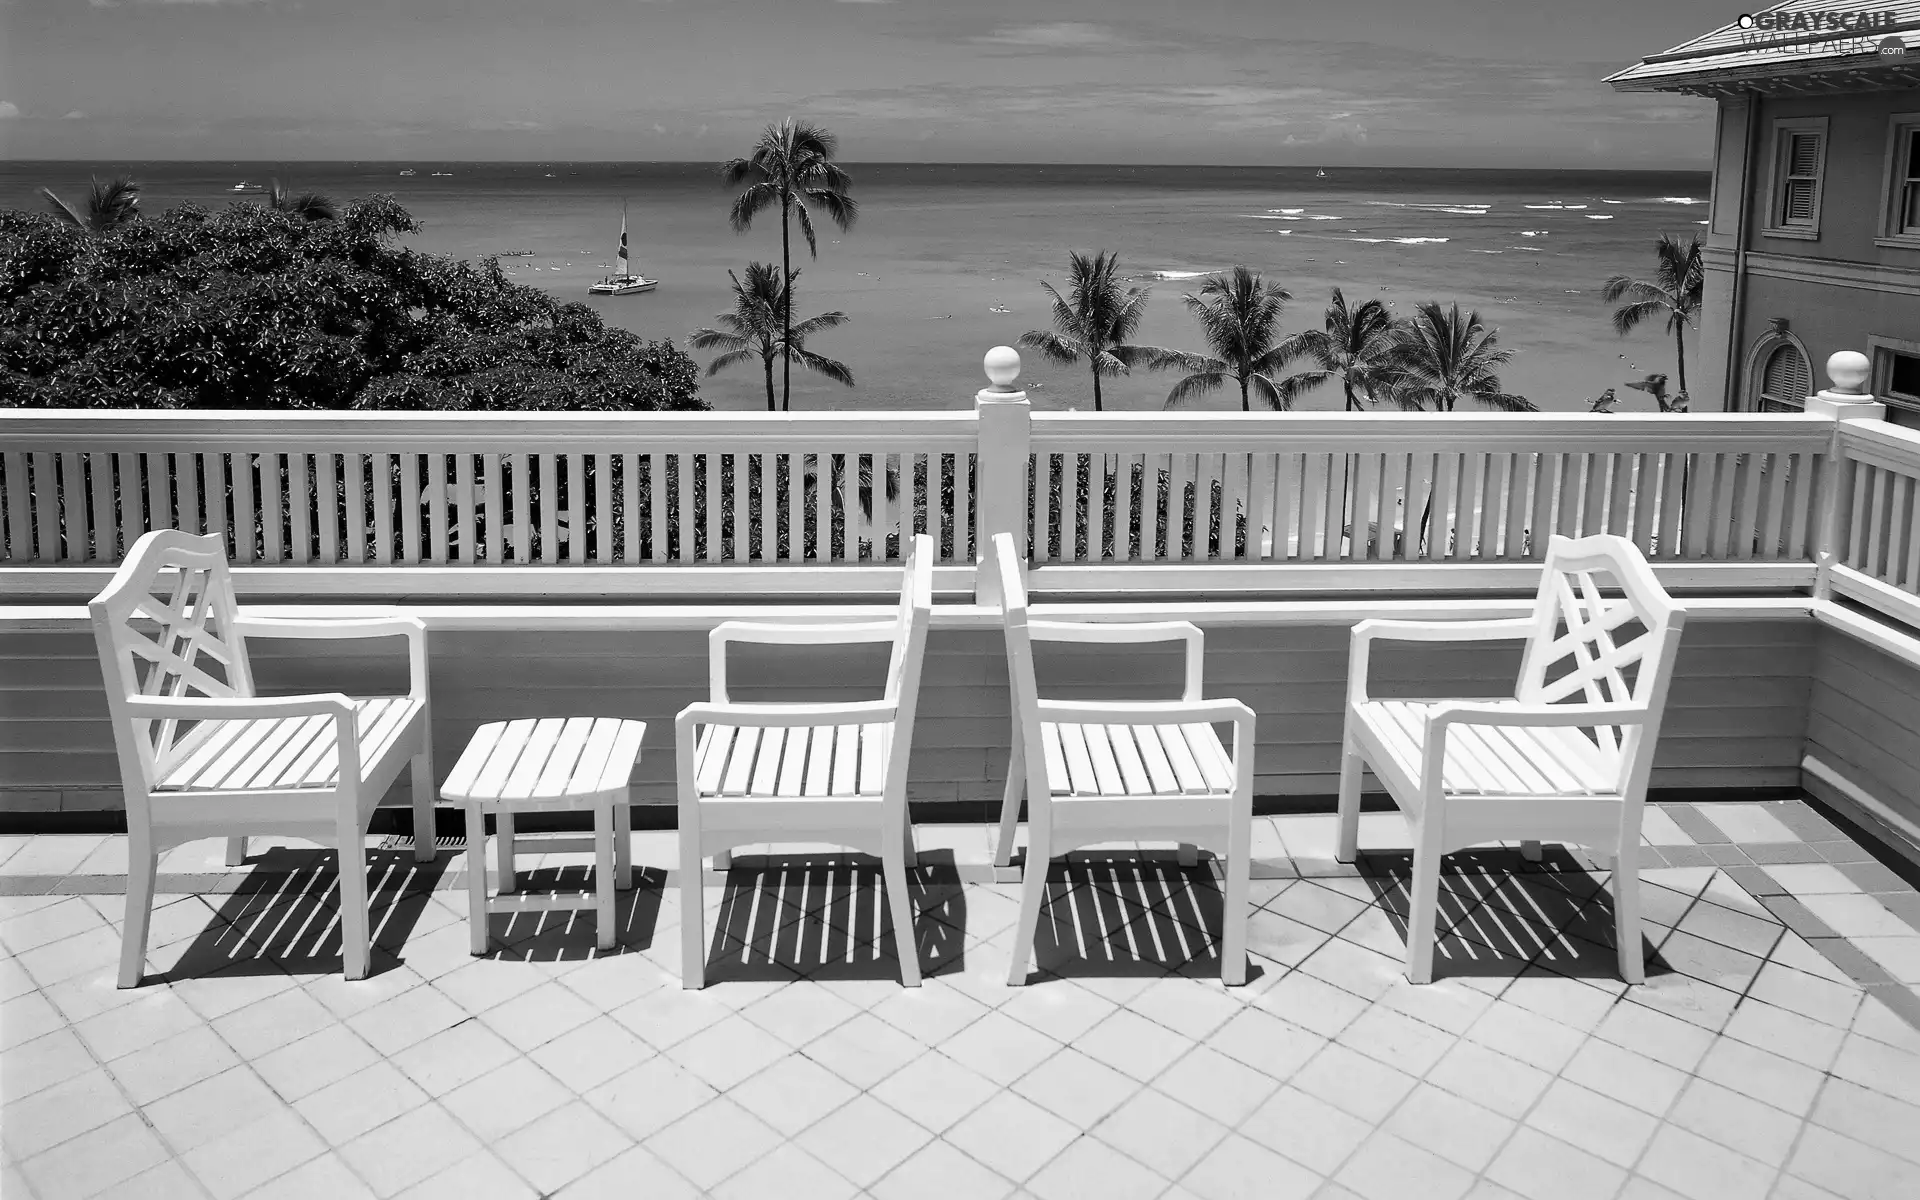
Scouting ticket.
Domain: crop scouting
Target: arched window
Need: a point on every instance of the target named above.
(1786, 381)
(1779, 373)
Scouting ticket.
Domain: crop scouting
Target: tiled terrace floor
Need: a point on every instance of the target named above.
(1770, 1054)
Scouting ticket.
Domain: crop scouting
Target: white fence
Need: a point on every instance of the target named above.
(739, 503)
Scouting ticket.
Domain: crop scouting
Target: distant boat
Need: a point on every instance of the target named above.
(623, 282)
(516, 254)
(409, 171)
(1321, 173)
(442, 174)
(244, 186)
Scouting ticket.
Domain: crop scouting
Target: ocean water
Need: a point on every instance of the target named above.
(945, 260)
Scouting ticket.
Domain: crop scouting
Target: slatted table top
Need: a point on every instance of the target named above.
(558, 761)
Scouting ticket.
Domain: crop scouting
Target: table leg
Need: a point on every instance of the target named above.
(477, 878)
(603, 874)
(503, 850)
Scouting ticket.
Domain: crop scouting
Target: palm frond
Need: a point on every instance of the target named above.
(750, 204)
(1195, 386)
(820, 365)
(64, 210)
(1051, 346)
(729, 359)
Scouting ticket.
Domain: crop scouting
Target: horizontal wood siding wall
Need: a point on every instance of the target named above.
(1737, 717)
(1864, 720)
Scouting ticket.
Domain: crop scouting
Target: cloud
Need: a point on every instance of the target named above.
(168, 3)
(498, 126)
(659, 128)
(1053, 35)
(8, 110)
(75, 115)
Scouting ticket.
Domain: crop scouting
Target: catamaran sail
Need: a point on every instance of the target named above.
(623, 282)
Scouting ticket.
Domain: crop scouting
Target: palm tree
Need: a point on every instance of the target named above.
(1358, 345)
(792, 166)
(761, 307)
(1094, 320)
(1441, 358)
(311, 205)
(1237, 315)
(109, 205)
(1673, 294)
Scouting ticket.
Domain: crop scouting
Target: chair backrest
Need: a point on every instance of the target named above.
(163, 626)
(909, 652)
(1591, 647)
(1021, 685)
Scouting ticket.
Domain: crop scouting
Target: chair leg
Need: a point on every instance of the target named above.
(1350, 764)
(1033, 892)
(503, 851)
(423, 793)
(1010, 801)
(1426, 907)
(1233, 915)
(236, 851)
(623, 841)
(693, 932)
(356, 948)
(906, 942)
(1626, 915)
(142, 864)
(912, 854)
(477, 923)
(603, 914)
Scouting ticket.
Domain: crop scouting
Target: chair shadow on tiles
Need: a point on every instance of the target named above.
(560, 935)
(1502, 915)
(283, 915)
(1131, 913)
(824, 916)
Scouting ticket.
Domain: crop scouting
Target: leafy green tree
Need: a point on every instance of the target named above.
(761, 307)
(109, 205)
(791, 166)
(311, 206)
(1441, 358)
(1239, 315)
(1094, 321)
(1358, 347)
(253, 307)
(1672, 295)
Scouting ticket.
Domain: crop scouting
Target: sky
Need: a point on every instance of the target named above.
(1465, 83)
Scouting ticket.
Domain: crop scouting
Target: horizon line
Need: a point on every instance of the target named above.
(1705, 167)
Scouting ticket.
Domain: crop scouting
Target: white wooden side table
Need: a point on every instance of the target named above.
(553, 764)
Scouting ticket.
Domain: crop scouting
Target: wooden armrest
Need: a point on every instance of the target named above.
(238, 708)
(1147, 712)
(1508, 712)
(412, 628)
(860, 712)
(1366, 632)
(829, 633)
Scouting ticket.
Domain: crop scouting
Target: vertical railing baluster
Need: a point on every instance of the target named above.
(300, 507)
(73, 504)
(247, 522)
(600, 479)
(1673, 491)
(411, 548)
(493, 511)
(106, 523)
(466, 518)
(326, 505)
(354, 464)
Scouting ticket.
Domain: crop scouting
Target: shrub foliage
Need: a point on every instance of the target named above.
(251, 307)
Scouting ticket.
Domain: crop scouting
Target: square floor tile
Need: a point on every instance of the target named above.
(935, 1090)
(1162, 1133)
(1693, 1166)
(1388, 1168)
(561, 1146)
(1239, 1169)
(863, 1140)
(1451, 1126)
(940, 1169)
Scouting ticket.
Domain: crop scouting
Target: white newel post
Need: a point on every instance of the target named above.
(1845, 398)
(1006, 427)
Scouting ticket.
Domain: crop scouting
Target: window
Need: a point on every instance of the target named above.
(1900, 223)
(1896, 371)
(1786, 381)
(1799, 158)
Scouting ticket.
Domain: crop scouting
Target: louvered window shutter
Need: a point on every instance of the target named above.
(1787, 380)
(1802, 163)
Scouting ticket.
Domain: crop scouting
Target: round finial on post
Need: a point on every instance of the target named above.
(1003, 367)
(1847, 372)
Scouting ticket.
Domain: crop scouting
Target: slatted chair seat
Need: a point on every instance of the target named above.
(282, 753)
(1565, 758)
(1120, 771)
(1504, 761)
(798, 762)
(1101, 761)
(202, 756)
(832, 772)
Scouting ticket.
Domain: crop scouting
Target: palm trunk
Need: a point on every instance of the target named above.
(767, 363)
(786, 308)
(1246, 406)
(1680, 354)
(1096, 390)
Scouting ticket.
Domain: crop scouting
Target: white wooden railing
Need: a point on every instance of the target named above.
(652, 504)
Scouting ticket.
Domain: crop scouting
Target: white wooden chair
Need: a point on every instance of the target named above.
(1566, 759)
(202, 756)
(805, 772)
(1126, 770)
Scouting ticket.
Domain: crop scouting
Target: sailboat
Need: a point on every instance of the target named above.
(623, 282)
(1322, 173)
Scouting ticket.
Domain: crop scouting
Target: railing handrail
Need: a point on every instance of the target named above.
(172, 429)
